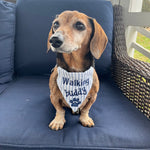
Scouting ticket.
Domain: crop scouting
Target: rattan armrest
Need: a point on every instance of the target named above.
(132, 76)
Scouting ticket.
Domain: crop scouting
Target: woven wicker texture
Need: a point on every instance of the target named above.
(132, 76)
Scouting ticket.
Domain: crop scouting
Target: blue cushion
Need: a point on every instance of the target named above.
(34, 19)
(25, 112)
(7, 33)
(3, 87)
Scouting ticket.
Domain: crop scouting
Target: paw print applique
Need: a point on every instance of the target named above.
(75, 102)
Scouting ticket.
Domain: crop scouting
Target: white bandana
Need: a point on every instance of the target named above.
(74, 86)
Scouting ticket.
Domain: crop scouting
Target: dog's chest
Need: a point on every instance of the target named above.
(74, 86)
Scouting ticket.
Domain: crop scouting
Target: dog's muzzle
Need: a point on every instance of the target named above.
(56, 40)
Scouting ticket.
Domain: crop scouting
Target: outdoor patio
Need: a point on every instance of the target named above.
(121, 111)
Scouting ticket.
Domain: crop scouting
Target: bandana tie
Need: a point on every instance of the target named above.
(74, 86)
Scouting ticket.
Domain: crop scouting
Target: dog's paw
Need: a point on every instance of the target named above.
(57, 124)
(86, 121)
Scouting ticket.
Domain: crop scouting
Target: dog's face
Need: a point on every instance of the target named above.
(71, 31)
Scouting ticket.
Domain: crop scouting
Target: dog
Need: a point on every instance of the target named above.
(77, 39)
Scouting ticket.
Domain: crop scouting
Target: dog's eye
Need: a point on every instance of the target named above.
(56, 25)
(80, 26)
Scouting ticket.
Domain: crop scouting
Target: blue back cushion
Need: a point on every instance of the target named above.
(34, 20)
(7, 36)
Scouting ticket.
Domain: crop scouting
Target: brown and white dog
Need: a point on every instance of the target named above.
(76, 38)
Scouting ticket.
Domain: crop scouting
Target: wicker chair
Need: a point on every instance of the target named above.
(25, 108)
(132, 76)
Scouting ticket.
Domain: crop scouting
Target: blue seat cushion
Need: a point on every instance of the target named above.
(7, 36)
(25, 112)
(34, 20)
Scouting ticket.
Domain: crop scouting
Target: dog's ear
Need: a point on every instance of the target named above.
(49, 36)
(98, 40)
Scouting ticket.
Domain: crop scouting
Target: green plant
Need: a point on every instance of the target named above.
(145, 42)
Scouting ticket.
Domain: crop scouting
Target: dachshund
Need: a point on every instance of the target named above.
(77, 39)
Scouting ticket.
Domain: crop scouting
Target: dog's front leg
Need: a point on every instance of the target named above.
(59, 120)
(56, 97)
(84, 117)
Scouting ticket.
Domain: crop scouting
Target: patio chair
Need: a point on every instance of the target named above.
(131, 75)
(25, 108)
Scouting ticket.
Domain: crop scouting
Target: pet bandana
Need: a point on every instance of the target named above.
(74, 86)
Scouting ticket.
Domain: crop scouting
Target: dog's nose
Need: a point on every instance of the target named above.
(55, 42)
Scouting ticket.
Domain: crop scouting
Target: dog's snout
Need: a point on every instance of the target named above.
(55, 42)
